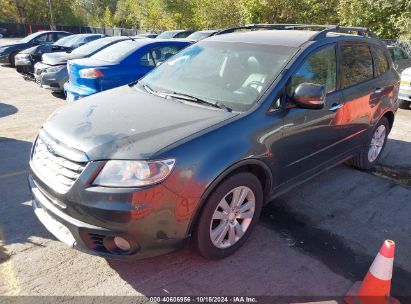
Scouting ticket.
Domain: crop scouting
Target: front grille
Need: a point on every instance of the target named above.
(97, 241)
(53, 167)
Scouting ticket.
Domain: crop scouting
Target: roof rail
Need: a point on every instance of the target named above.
(361, 31)
(325, 29)
(278, 26)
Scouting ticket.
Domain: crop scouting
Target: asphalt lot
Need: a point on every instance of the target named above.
(312, 242)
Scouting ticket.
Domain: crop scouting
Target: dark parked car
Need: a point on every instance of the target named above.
(174, 34)
(8, 52)
(146, 35)
(25, 60)
(118, 65)
(3, 32)
(200, 35)
(400, 58)
(52, 73)
(197, 147)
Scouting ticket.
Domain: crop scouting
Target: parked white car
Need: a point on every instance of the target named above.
(405, 89)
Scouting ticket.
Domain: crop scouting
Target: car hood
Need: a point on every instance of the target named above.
(59, 58)
(36, 49)
(14, 46)
(126, 123)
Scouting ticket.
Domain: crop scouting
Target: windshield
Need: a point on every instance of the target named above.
(116, 52)
(65, 41)
(166, 35)
(199, 35)
(235, 74)
(30, 37)
(93, 46)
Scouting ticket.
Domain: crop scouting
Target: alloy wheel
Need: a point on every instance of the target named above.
(377, 143)
(232, 217)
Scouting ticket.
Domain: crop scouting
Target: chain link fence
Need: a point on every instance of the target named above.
(22, 30)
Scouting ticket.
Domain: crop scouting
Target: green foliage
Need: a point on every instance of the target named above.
(388, 18)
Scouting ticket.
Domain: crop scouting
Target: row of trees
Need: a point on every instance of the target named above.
(388, 18)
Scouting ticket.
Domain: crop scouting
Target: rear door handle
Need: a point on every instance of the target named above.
(335, 107)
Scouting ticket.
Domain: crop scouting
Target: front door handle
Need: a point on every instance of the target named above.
(378, 90)
(335, 107)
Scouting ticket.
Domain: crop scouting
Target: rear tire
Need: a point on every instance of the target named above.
(367, 158)
(404, 104)
(223, 228)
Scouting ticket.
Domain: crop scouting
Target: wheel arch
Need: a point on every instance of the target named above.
(390, 117)
(254, 166)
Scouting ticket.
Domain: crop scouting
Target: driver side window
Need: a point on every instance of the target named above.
(319, 68)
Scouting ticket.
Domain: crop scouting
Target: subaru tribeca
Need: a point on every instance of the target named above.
(197, 147)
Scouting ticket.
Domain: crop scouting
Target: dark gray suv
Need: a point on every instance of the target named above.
(197, 147)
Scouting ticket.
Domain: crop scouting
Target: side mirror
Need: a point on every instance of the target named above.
(309, 96)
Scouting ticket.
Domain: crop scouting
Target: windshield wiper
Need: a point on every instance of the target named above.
(187, 97)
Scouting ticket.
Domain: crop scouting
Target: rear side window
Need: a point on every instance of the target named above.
(319, 68)
(158, 55)
(380, 61)
(356, 65)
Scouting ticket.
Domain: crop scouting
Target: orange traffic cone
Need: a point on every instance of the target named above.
(375, 289)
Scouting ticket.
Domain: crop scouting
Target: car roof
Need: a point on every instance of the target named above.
(147, 41)
(115, 38)
(289, 38)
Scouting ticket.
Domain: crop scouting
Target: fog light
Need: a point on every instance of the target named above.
(122, 244)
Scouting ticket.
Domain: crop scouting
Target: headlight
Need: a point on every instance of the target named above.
(55, 69)
(23, 56)
(3, 50)
(123, 173)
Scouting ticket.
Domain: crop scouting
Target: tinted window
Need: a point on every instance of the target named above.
(356, 64)
(320, 68)
(61, 35)
(44, 38)
(182, 35)
(397, 54)
(158, 54)
(380, 61)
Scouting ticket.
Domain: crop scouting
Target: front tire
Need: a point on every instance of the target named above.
(229, 215)
(404, 104)
(13, 59)
(366, 159)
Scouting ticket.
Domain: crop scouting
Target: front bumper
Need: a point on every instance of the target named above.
(5, 59)
(25, 67)
(53, 81)
(75, 93)
(150, 224)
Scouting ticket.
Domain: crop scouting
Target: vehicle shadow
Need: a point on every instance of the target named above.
(59, 95)
(18, 224)
(6, 110)
(267, 266)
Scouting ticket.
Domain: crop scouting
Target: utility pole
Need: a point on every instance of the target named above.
(52, 27)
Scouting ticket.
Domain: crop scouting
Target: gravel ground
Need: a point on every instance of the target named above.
(314, 241)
